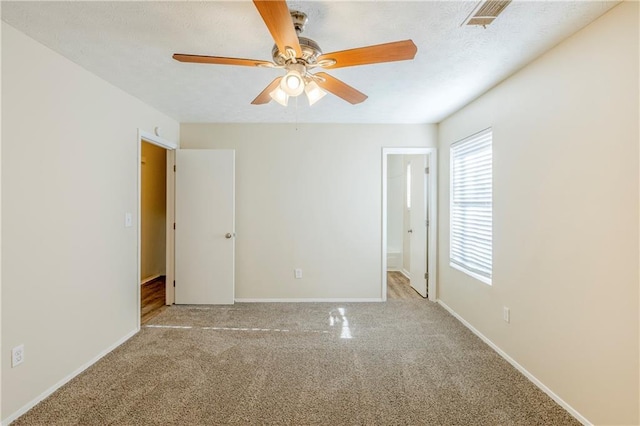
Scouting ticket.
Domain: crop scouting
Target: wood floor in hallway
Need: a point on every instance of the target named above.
(152, 299)
(398, 287)
(153, 294)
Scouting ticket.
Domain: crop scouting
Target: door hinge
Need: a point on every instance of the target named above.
(426, 170)
(174, 283)
(174, 167)
(426, 276)
(426, 222)
(174, 225)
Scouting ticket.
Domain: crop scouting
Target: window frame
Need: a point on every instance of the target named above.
(407, 186)
(454, 260)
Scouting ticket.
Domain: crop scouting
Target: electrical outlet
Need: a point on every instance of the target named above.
(17, 356)
(506, 314)
(298, 273)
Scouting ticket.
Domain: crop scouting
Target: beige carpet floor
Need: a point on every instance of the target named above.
(405, 362)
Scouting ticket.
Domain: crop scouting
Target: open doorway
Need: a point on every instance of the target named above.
(409, 231)
(156, 193)
(153, 224)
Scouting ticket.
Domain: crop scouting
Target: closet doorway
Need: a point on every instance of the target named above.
(409, 222)
(153, 225)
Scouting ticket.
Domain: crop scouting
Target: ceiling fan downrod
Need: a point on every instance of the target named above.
(310, 49)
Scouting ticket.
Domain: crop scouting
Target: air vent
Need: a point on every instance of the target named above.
(485, 12)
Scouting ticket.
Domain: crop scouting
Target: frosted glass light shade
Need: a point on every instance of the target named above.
(279, 96)
(292, 83)
(314, 92)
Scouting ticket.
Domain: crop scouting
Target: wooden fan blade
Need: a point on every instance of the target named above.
(387, 52)
(263, 97)
(220, 60)
(276, 16)
(339, 88)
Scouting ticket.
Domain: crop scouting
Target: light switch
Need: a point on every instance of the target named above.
(506, 314)
(128, 220)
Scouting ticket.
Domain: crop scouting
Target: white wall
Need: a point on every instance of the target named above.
(69, 174)
(565, 144)
(395, 210)
(308, 196)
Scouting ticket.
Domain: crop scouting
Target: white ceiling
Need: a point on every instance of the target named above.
(130, 45)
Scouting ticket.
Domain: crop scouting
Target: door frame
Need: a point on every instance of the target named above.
(432, 155)
(154, 139)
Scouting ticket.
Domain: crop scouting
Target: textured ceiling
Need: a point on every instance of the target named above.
(130, 45)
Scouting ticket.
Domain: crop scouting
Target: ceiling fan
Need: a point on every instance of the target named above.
(299, 55)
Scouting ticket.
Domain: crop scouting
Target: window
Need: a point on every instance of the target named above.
(472, 205)
(409, 186)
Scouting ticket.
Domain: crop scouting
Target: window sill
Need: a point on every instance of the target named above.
(471, 274)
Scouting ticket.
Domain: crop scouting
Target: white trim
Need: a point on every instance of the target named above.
(394, 260)
(432, 155)
(309, 300)
(151, 138)
(470, 273)
(519, 367)
(149, 279)
(28, 406)
(405, 273)
(156, 140)
(170, 232)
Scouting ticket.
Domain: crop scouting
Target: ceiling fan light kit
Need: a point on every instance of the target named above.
(314, 92)
(292, 82)
(280, 96)
(299, 55)
(285, 90)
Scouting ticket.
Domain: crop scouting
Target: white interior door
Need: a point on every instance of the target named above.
(418, 220)
(205, 226)
(406, 218)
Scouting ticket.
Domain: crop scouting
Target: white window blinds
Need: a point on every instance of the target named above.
(471, 205)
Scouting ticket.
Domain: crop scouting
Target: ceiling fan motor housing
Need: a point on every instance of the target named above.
(310, 52)
(310, 49)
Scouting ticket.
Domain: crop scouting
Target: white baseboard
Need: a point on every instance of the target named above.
(66, 379)
(519, 367)
(394, 260)
(149, 279)
(500, 352)
(309, 300)
(406, 273)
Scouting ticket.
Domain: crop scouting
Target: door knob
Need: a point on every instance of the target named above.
(228, 235)
(410, 231)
